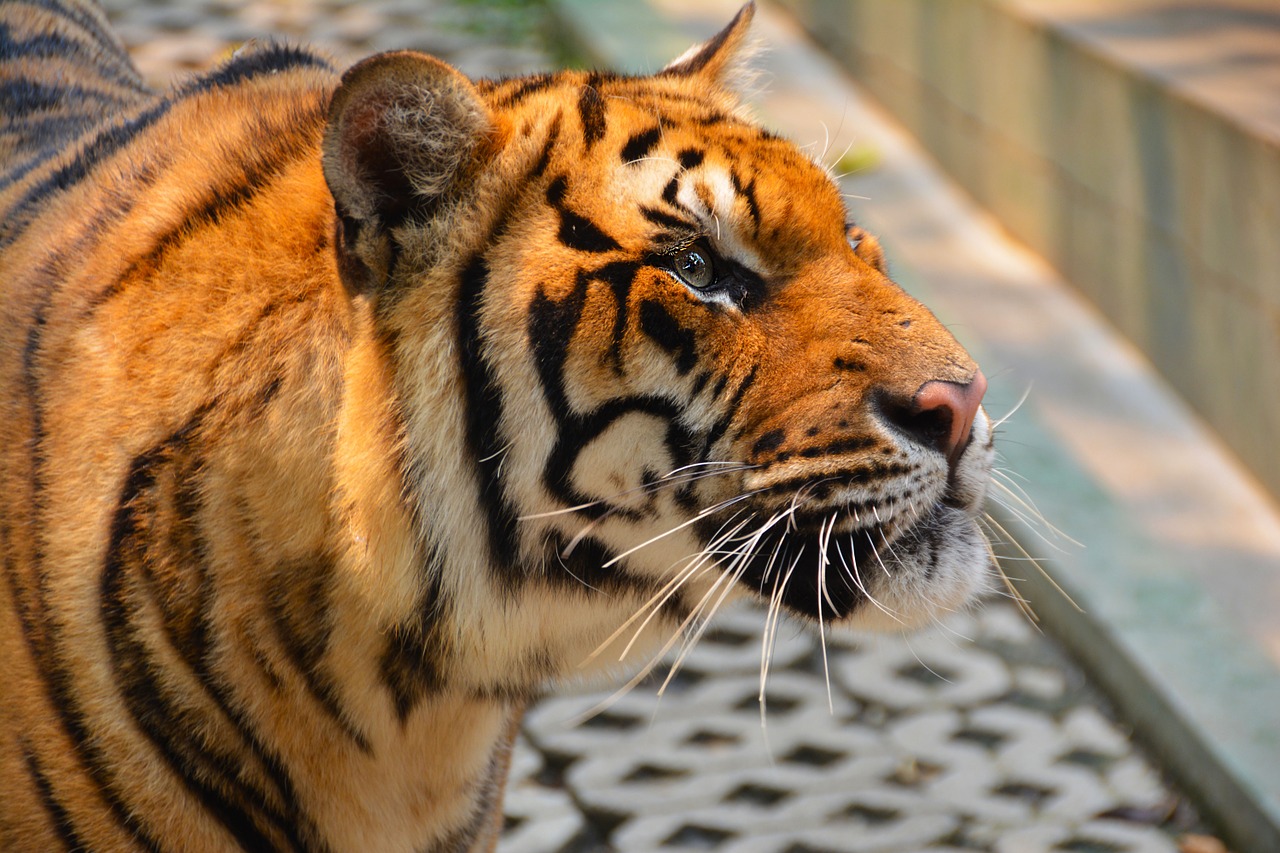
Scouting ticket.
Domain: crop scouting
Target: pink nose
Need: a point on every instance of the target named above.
(953, 406)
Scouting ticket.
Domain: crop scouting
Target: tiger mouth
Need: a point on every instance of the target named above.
(828, 566)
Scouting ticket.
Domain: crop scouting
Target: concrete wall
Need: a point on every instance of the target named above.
(1103, 139)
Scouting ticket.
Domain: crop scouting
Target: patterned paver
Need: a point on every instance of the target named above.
(974, 737)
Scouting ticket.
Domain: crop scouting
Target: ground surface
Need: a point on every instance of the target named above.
(979, 736)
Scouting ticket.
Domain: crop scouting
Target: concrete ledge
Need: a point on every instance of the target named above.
(1179, 575)
(1135, 144)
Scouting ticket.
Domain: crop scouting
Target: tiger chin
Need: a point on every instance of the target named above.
(341, 413)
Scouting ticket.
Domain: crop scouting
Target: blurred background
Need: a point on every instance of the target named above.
(1088, 193)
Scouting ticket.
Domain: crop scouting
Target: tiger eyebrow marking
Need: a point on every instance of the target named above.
(591, 109)
(667, 220)
(747, 191)
(640, 144)
(577, 231)
(691, 158)
(553, 136)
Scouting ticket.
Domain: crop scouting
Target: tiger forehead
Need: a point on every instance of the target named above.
(676, 154)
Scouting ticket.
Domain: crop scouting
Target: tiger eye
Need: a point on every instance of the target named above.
(694, 269)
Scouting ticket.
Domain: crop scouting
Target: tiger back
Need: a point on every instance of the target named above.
(341, 414)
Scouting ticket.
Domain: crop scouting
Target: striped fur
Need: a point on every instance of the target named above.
(342, 414)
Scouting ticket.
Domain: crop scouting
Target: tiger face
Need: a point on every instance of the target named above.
(685, 374)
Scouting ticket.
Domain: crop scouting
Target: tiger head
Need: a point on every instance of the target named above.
(677, 372)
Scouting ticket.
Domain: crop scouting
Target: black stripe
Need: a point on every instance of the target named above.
(556, 190)
(718, 430)
(583, 569)
(620, 276)
(188, 607)
(859, 476)
(259, 172)
(847, 445)
(578, 431)
(691, 158)
(107, 141)
(22, 95)
(300, 616)
(551, 327)
(36, 132)
(771, 440)
(700, 382)
(666, 331)
(484, 416)
(270, 60)
(408, 669)
(41, 634)
(640, 144)
(670, 191)
(58, 815)
(544, 159)
(576, 231)
(748, 192)
(659, 217)
(93, 26)
(527, 86)
(54, 45)
(410, 665)
(591, 109)
(579, 233)
(215, 779)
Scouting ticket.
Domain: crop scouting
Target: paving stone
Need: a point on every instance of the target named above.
(540, 818)
(1136, 783)
(926, 672)
(1039, 681)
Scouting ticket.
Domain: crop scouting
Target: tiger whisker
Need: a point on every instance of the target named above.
(560, 559)
(772, 613)
(772, 616)
(659, 598)
(824, 541)
(1017, 597)
(495, 454)
(1034, 517)
(851, 566)
(999, 422)
(653, 159)
(690, 642)
(1039, 568)
(741, 558)
(1030, 522)
(777, 615)
(653, 661)
(920, 660)
(591, 526)
(875, 550)
(666, 481)
(711, 510)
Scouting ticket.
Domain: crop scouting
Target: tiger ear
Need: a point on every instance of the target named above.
(403, 129)
(720, 58)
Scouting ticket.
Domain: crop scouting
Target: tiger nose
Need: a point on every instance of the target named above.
(941, 414)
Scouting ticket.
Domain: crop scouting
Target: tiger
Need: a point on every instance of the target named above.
(345, 413)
